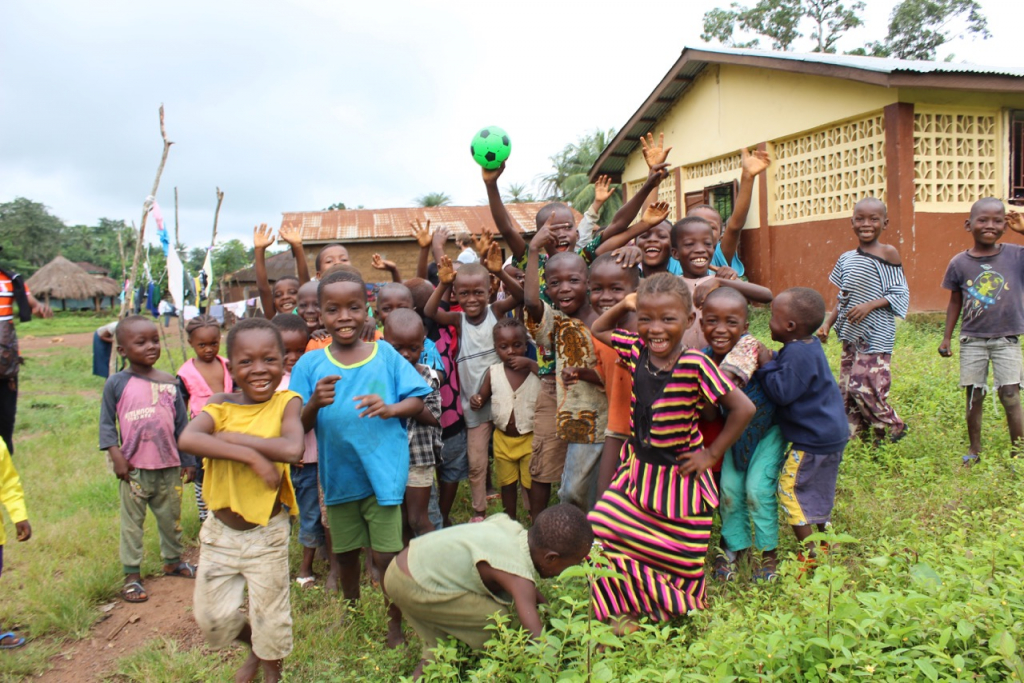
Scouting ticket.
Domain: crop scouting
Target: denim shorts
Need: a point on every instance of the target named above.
(306, 485)
(454, 465)
(1004, 354)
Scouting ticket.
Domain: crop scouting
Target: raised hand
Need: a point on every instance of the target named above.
(439, 239)
(655, 213)
(492, 259)
(482, 242)
(603, 189)
(492, 175)
(543, 237)
(1015, 222)
(445, 271)
(724, 272)
(628, 256)
(380, 263)
(656, 174)
(629, 301)
(262, 236)
(292, 235)
(654, 154)
(421, 233)
(703, 289)
(754, 162)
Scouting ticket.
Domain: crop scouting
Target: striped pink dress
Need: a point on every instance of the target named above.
(654, 522)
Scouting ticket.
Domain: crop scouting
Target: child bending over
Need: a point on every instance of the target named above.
(810, 411)
(141, 417)
(356, 395)
(452, 582)
(872, 293)
(249, 438)
(654, 521)
(511, 387)
(985, 284)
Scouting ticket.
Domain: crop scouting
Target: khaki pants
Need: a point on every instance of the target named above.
(477, 440)
(435, 616)
(229, 561)
(160, 491)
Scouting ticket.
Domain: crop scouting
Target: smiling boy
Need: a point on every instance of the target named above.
(985, 284)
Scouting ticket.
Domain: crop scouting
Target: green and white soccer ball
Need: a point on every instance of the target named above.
(490, 147)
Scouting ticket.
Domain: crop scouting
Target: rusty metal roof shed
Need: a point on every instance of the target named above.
(372, 225)
(882, 71)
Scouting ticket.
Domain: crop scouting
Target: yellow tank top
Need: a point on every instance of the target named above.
(230, 484)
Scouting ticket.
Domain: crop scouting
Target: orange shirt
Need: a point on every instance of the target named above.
(618, 388)
(313, 344)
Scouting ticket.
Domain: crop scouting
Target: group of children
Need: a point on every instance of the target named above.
(613, 363)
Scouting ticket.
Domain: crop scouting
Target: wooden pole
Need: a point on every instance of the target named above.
(145, 211)
(216, 215)
(177, 237)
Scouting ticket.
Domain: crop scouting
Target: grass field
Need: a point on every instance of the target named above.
(926, 583)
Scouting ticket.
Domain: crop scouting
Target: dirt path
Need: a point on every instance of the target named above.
(128, 627)
(30, 343)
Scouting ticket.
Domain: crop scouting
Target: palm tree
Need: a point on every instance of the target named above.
(433, 199)
(517, 194)
(569, 181)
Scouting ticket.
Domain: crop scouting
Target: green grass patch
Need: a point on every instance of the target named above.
(926, 583)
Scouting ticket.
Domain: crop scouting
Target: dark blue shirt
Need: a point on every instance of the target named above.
(808, 403)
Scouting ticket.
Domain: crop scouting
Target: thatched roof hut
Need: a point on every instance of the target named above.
(63, 280)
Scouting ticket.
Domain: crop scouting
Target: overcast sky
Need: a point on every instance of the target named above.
(290, 106)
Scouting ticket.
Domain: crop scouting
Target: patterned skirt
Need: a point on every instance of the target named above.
(654, 524)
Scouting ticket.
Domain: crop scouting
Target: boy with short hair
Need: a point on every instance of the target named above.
(452, 582)
(985, 284)
(248, 438)
(511, 387)
(582, 407)
(283, 296)
(364, 463)
(404, 331)
(872, 293)
(12, 498)
(473, 328)
(809, 408)
(141, 416)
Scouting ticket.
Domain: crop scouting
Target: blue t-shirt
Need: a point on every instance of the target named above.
(361, 456)
(717, 260)
(430, 357)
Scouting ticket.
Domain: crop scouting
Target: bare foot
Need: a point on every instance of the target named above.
(417, 673)
(247, 672)
(624, 624)
(271, 670)
(332, 581)
(395, 635)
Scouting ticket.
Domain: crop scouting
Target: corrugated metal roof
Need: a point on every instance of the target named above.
(886, 65)
(366, 225)
(885, 72)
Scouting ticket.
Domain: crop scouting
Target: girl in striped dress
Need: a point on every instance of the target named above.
(654, 521)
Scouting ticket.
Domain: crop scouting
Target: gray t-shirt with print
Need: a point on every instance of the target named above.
(993, 291)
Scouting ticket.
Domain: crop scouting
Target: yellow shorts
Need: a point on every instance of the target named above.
(512, 455)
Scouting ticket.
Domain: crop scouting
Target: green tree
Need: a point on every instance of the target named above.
(569, 180)
(337, 206)
(433, 199)
(918, 28)
(29, 234)
(230, 256)
(517, 194)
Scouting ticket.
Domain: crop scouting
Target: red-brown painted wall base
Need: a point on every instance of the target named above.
(803, 254)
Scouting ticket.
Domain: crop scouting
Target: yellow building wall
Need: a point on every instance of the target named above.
(727, 107)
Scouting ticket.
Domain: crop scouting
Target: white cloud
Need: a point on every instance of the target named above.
(296, 105)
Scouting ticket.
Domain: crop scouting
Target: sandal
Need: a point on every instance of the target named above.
(764, 575)
(134, 592)
(183, 570)
(724, 570)
(970, 459)
(476, 519)
(304, 581)
(14, 641)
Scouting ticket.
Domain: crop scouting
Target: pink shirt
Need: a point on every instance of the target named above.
(199, 391)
